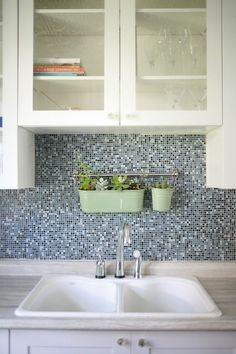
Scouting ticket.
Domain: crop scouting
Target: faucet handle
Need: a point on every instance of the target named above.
(137, 267)
(137, 254)
(100, 266)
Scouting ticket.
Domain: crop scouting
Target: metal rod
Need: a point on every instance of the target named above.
(133, 174)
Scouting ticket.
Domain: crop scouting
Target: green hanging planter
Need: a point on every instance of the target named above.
(127, 201)
(161, 199)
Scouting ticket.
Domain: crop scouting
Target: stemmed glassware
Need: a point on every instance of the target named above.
(178, 53)
(166, 48)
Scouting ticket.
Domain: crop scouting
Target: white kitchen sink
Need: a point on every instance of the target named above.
(169, 296)
(155, 297)
(69, 296)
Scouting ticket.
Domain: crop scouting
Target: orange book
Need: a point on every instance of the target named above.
(58, 68)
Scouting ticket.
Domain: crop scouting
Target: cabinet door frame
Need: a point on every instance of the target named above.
(18, 144)
(30, 118)
(43, 341)
(221, 143)
(4, 341)
(130, 116)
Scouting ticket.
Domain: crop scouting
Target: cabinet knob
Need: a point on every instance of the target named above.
(114, 116)
(121, 341)
(131, 115)
(141, 342)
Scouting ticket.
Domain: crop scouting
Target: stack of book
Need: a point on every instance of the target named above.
(58, 67)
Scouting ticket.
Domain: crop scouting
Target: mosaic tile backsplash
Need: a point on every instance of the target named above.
(47, 223)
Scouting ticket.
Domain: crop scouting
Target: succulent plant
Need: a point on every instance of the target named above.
(163, 185)
(102, 184)
(86, 182)
(119, 183)
(136, 183)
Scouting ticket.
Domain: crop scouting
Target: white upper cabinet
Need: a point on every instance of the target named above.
(1, 130)
(16, 144)
(142, 63)
(221, 142)
(171, 62)
(83, 37)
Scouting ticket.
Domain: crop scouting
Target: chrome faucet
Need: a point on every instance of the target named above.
(123, 240)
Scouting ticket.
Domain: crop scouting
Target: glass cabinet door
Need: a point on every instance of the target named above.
(68, 59)
(176, 53)
(16, 145)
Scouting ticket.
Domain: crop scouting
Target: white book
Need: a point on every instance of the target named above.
(57, 61)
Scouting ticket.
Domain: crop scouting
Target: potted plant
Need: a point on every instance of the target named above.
(161, 196)
(116, 194)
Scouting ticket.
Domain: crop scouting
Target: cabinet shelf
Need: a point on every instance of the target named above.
(70, 84)
(173, 78)
(68, 78)
(154, 84)
(171, 10)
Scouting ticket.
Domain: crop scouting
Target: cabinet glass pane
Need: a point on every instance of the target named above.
(69, 55)
(171, 55)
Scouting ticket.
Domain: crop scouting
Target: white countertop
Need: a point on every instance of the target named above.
(18, 277)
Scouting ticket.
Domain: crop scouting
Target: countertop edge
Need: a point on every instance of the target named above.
(113, 325)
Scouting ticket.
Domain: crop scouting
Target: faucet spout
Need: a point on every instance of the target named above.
(123, 240)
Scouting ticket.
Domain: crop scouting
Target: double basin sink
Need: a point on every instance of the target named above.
(154, 297)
